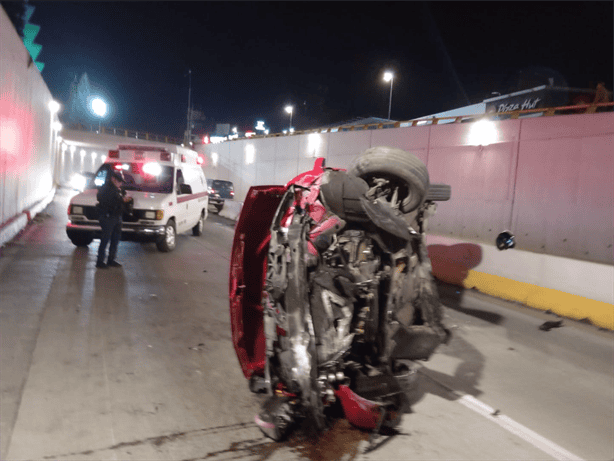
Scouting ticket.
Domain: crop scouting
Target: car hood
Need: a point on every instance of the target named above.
(142, 200)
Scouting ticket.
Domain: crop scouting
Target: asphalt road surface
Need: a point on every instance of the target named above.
(137, 363)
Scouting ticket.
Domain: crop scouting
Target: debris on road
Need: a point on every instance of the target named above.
(549, 325)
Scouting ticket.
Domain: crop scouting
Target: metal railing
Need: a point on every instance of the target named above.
(125, 133)
(544, 111)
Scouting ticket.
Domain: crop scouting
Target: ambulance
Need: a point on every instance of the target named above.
(169, 192)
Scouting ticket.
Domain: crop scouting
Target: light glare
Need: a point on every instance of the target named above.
(313, 143)
(152, 168)
(99, 107)
(482, 133)
(250, 154)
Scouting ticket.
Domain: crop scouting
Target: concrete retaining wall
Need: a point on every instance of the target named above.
(27, 154)
(548, 179)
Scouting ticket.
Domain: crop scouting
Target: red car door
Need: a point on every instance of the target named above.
(248, 273)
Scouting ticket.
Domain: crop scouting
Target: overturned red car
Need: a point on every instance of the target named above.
(331, 291)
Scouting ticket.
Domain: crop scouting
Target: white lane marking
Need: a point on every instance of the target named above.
(507, 423)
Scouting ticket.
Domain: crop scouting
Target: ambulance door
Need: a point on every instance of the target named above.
(183, 203)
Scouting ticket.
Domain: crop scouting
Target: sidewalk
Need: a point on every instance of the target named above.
(16, 224)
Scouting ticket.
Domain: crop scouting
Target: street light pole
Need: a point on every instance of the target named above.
(389, 76)
(189, 98)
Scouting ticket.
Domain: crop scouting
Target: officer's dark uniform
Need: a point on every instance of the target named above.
(111, 206)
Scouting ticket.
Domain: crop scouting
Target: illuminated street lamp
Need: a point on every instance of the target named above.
(54, 107)
(389, 77)
(289, 109)
(99, 108)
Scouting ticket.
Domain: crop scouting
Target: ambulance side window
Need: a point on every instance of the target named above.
(191, 178)
(179, 181)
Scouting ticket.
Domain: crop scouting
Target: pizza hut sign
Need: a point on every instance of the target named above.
(528, 103)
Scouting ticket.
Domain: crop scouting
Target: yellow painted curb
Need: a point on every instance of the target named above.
(564, 304)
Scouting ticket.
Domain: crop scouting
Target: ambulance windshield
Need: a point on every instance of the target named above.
(140, 176)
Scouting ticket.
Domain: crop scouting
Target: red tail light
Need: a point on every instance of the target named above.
(113, 154)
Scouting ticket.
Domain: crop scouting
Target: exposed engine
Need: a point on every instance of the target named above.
(348, 298)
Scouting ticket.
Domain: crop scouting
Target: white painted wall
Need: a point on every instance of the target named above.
(549, 179)
(27, 156)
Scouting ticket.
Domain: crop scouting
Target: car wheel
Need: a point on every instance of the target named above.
(438, 193)
(81, 240)
(403, 170)
(197, 230)
(169, 241)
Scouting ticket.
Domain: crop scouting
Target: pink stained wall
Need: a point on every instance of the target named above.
(564, 201)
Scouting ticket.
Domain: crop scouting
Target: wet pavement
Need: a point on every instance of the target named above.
(137, 363)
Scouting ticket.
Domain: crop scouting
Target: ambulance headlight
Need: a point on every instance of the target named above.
(78, 182)
(154, 214)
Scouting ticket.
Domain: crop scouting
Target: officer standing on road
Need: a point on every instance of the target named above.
(111, 199)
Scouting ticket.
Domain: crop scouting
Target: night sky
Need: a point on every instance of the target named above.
(248, 60)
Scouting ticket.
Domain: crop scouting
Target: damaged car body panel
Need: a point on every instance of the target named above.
(331, 290)
(247, 273)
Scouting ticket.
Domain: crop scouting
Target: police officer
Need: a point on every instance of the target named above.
(111, 199)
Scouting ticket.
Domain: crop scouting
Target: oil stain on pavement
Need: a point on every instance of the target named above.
(340, 442)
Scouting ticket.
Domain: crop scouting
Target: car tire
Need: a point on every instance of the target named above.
(169, 240)
(81, 240)
(438, 193)
(197, 230)
(403, 169)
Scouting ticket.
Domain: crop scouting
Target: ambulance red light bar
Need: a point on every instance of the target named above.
(113, 154)
(200, 160)
(182, 158)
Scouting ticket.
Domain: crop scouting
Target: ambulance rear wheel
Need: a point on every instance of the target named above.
(169, 241)
(197, 230)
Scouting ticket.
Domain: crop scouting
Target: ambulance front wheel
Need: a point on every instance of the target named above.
(81, 240)
(169, 240)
